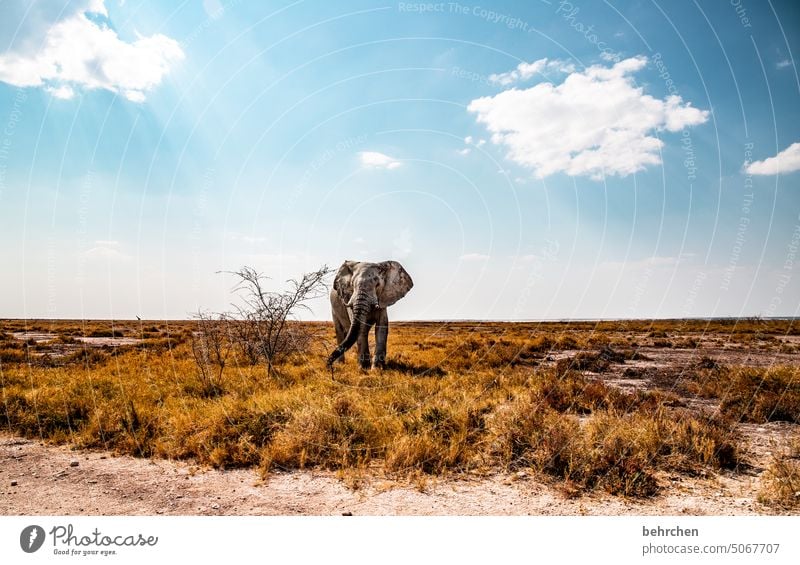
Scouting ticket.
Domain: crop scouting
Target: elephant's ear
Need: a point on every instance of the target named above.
(396, 283)
(343, 281)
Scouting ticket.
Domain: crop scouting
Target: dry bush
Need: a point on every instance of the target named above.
(780, 483)
(754, 394)
(268, 315)
(540, 344)
(439, 439)
(233, 433)
(106, 333)
(210, 349)
(617, 452)
(12, 355)
(339, 433)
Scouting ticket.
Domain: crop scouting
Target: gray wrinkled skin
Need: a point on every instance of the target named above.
(360, 296)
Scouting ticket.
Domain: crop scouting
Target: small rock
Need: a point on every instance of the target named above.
(92, 482)
(13, 483)
(215, 506)
(73, 463)
(347, 513)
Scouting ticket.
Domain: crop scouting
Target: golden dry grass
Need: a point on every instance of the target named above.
(780, 485)
(454, 398)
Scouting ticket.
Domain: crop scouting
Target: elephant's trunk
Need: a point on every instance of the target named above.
(358, 325)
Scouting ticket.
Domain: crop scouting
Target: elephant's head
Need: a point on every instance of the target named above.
(365, 288)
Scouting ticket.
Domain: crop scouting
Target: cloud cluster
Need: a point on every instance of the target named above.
(105, 250)
(525, 71)
(373, 159)
(787, 161)
(597, 122)
(79, 51)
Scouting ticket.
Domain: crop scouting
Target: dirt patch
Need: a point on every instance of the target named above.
(50, 480)
(109, 341)
(38, 337)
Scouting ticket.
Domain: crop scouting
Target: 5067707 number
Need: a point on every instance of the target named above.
(754, 547)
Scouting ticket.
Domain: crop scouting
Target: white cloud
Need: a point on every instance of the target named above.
(787, 161)
(64, 92)
(76, 51)
(474, 257)
(524, 71)
(465, 151)
(105, 250)
(596, 122)
(469, 140)
(783, 63)
(377, 160)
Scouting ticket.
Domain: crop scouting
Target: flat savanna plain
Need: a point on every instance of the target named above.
(675, 416)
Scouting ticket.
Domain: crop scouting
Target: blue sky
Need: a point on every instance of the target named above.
(525, 160)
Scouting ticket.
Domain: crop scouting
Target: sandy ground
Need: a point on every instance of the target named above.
(42, 479)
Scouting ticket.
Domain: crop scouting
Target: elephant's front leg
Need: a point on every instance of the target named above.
(381, 336)
(363, 349)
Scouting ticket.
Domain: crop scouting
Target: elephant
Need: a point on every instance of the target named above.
(361, 294)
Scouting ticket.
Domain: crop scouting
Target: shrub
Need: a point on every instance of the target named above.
(780, 483)
(12, 355)
(756, 394)
(210, 349)
(268, 315)
(334, 435)
(106, 333)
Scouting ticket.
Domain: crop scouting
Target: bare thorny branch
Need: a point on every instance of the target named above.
(267, 316)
